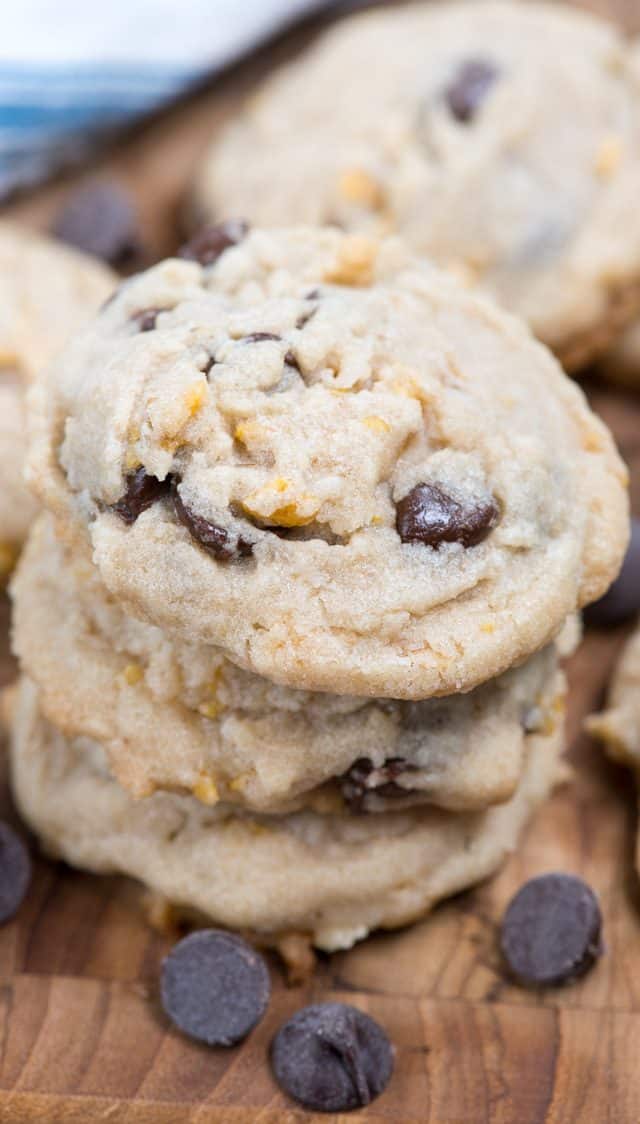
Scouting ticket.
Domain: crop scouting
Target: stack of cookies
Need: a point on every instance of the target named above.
(316, 518)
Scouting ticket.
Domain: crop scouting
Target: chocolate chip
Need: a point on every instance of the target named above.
(331, 1057)
(305, 317)
(210, 243)
(218, 541)
(622, 600)
(364, 779)
(100, 219)
(145, 319)
(215, 987)
(551, 930)
(208, 364)
(469, 87)
(15, 872)
(143, 490)
(260, 337)
(291, 361)
(427, 514)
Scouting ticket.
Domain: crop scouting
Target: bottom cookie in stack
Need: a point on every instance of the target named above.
(333, 877)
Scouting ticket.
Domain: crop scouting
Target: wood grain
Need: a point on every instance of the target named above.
(81, 1037)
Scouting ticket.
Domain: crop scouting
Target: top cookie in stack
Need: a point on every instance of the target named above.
(501, 140)
(325, 457)
(303, 462)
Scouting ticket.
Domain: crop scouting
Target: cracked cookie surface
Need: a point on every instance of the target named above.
(326, 457)
(500, 139)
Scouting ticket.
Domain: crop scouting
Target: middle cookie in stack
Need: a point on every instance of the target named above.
(313, 464)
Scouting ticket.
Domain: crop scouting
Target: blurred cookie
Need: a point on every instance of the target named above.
(618, 725)
(46, 292)
(501, 140)
(329, 459)
(335, 878)
(180, 716)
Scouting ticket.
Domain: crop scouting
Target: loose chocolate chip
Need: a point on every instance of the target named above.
(260, 337)
(145, 319)
(100, 219)
(551, 932)
(364, 779)
(210, 243)
(428, 515)
(15, 872)
(219, 542)
(469, 87)
(143, 490)
(622, 600)
(331, 1057)
(215, 987)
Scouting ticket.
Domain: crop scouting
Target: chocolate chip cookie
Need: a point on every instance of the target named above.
(180, 716)
(46, 292)
(329, 459)
(333, 877)
(501, 140)
(618, 725)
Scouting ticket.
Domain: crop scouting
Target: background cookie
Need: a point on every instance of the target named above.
(502, 140)
(46, 292)
(618, 725)
(180, 716)
(335, 877)
(327, 458)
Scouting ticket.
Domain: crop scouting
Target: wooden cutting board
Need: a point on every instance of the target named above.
(82, 1037)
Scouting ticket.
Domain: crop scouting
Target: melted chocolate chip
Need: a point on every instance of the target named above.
(469, 87)
(223, 545)
(551, 932)
(142, 491)
(100, 219)
(622, 600)
(215, 987)
(15, 872)
(331, 1057)
(211, 242)
(428, 515)
(261, 337)
(365, 779)
(145, 319)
